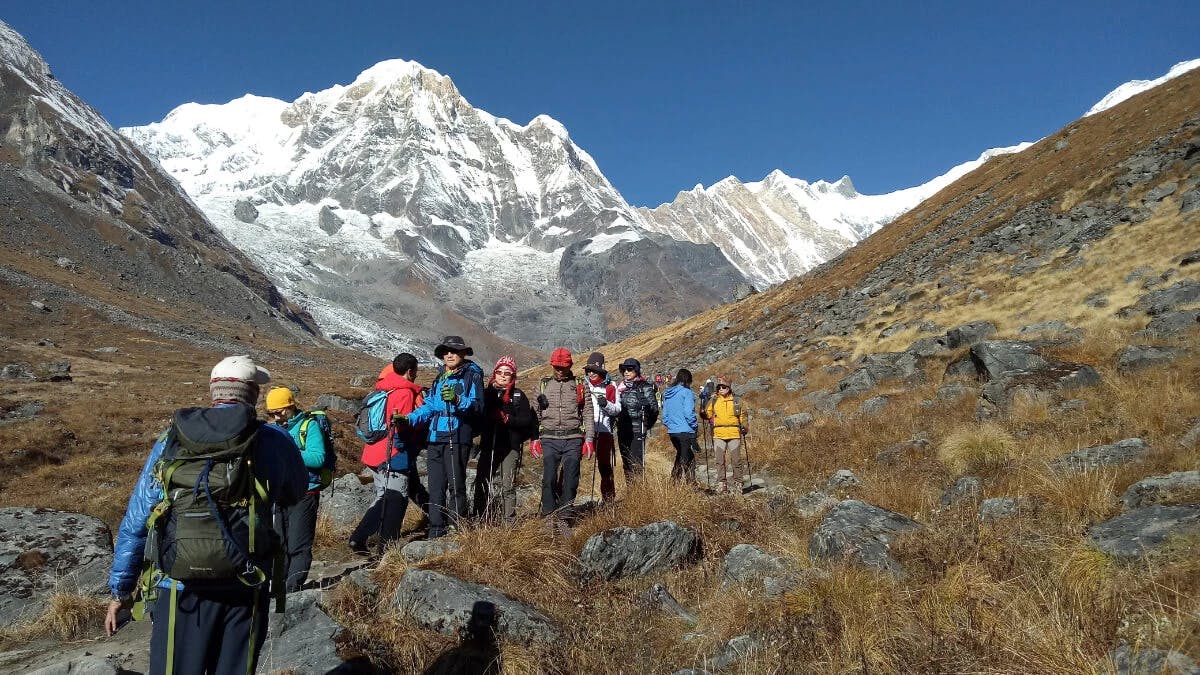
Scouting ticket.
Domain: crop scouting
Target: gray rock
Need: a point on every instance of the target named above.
(1097, 300)
(444, 604)
(1126, 661)
(1189, 202)
(969, 334)
(965, 488)
(721, 325)
(1161, 192)
(422, 549)
(54, 371)
(961, 368)
(44, 551)
(861, 533)
(999, 359)
(998, 508)
(106, 350)
(245, 211)
(755, 384)
(795, 385)
(777, 499)
(301, 640)
(1012, 366)
(40, 306)
(346, 500)
(1190, 258)
(660, 598)
(1114, 454)
(624, 551)
(746, 564)
(329, 221)
(823, 400)
(835, 369)
(1138, 357)
(797, 421)
(814, 503)
(928, 347)
(337, 403)
(1182, 293)
(977, 295)
(912, 448)
(842, 479)
(327, 573)
(1178, 487)
(738, 649)
(1072, 405)
(1171, 324)
(875, 369)
(22, 412)
(361, 381)
(1137, 532)
(16, 371)
(955, 391)
(45, 343)
(84, 665)
(1191, 438)
(1055, 331)
(873, 405)
(1061, 144)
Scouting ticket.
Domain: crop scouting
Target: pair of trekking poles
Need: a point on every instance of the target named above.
(709, 447)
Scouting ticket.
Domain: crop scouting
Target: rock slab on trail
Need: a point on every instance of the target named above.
(301, 640)
(43, 551)
(444, 604)
(627, 551)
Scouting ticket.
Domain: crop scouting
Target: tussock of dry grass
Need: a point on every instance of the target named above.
(67, 616)
(977, 448)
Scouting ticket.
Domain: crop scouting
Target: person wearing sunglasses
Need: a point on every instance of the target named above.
(724, 414)
(639, 412)
(509, 423)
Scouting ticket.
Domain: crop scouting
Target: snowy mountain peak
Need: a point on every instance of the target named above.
(1135, 87)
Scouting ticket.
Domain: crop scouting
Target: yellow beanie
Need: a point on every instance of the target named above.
(280, 398)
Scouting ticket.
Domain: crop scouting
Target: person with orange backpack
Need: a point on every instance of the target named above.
(562, 408)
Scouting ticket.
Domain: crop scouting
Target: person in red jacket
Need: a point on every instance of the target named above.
(393, 460)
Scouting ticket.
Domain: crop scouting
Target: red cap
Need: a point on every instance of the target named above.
(561, 358)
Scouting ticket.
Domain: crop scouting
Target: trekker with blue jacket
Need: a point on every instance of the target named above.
(679, 416)
(453, 407)
(225, 470)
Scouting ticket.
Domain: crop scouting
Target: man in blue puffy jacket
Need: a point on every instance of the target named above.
(679, 416)
(452, 408)
(217, 626)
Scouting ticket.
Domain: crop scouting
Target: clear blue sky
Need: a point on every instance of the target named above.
(663, 94)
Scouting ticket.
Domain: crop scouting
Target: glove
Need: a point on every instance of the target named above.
(745, 431)
(535, 448)
(601, 401)
(589, 449)
(543, 403)
(504, 417)
(399, 420)
(448, 394)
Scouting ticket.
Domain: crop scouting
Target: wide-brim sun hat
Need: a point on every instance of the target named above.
(452, 343)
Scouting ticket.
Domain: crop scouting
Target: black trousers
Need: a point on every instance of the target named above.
(632, 446)
(297, 525)
(447, 475)
(686, 450)
(560, 472)
(214, 631)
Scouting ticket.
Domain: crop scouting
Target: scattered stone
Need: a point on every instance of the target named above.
(1054, 331)
(106, 350)
(823, 399)
(746, 564)
(1170, 324)
(797, 421)
(422, 549)
(873, 405)
(843, 479)
(998, 508)
(835, 369)
(54, 371)
(778, 499)
(445, 604)
(1138, 274)
(45, 343)
(22, 412)
(967, 487)
(1180, 487)
(624, 551)
(1125, 661)
(795, 385)
(1139, 357)
(302, 639)
(66, 263)
(977, 295)
(1114, 454)
(43, 551)
(1137, 532)
(16, 371)
(875, 369)
(954, 391)
(1161, 192)
(859, 532)
(755, 384)
(1190, 258)
(721, 325)
(927, 347)
(1097, 300)
(913, 448)
(1183, 292)
(40, 306)
(961, 368)
(337, 403)
(738, 649)
(969, 334)
(1191, 438)
(814, 503)
(659, 597)
(326, 574)
(346, 500)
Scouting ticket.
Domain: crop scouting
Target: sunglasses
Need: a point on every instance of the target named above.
(722, 386)
(504, 373)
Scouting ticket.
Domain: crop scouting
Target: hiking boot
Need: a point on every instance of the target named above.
(359, 548)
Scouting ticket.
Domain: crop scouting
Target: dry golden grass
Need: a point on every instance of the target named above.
(977, 448)
(67, 616)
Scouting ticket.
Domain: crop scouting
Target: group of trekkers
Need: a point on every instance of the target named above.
(224, 513)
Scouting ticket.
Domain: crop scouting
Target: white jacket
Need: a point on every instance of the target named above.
(602, 417)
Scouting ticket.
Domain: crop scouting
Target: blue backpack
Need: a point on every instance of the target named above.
(371, 421)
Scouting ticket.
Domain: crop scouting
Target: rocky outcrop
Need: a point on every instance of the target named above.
(346, 500)
(1011, 366)
(1180, 487)
(1137, 532)
(965, 488)
(1113, 454)
(1139, 357)
(859, 532)
(416, 551)
(445, 604)
(302, 640)
(43, 552)
(875, 369)
(626, 551)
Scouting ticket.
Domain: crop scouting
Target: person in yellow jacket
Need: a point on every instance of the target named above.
(723, 412)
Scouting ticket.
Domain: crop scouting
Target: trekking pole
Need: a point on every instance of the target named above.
(453, 465)
(706, 439)
(746, 451)
(387, 476)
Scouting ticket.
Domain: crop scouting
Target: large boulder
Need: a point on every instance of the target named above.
(1179, 487)
(1008, 366)
(1182, 293)
(337, 403)
(1139, 357)
(346, 500)
(747, 564)
(875, 369)
(1136, 532)
(302, 639)
(423, 549)
(445, 604)
(859, 532)
(44, 551)
(1171, 324)
(627, 551)
(968, 334)
(1113, 454)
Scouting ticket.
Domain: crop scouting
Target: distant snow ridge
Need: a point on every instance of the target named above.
(1131, 89)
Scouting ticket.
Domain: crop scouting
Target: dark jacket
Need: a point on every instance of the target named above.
(508, 424)
(639, 406)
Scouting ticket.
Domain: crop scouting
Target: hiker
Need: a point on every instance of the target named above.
(724, 414)
(297, 524)
(562, 406)
(392, 460)
(639, 412)
(510, 421)
(679, 416)
(452, 409)
(606, 407)
(208, 598)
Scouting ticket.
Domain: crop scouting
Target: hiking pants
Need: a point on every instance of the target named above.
(686, 450)
(297, 525)
(604, 461)
(216, 632)
(447, 474)
(416, 491)
(732, 448)
(386, 514)
(560, 462)
(502, 462)
(633, 453)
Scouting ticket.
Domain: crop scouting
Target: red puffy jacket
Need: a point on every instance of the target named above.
(405, 397)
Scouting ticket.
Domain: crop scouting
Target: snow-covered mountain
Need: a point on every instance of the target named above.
(369, 201)
(1135, 87)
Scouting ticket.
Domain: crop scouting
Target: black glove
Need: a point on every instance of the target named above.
(601, 401)
(543, 402)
